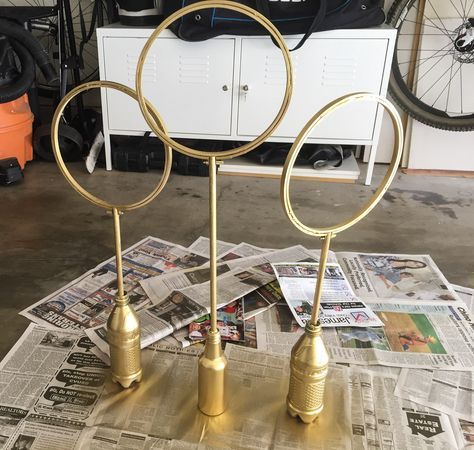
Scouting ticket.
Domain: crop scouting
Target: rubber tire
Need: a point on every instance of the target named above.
(408, 102)
(25, 79)
(70, 140)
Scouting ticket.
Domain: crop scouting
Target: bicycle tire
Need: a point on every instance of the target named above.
(70, 139)
(402, 94)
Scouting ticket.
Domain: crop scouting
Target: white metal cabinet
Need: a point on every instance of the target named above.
(199, 90)
(324, 69)
(191, 86)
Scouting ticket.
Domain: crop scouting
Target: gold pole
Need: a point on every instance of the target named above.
(213, 241)
(319, 282)
(118, 252)
(212, 368)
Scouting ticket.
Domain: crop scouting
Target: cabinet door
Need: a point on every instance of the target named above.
(190, 84)
(324, 70)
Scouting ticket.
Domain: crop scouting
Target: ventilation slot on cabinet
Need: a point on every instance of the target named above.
(149, 69)
(275, 72)
(194, 70)
(339, 72)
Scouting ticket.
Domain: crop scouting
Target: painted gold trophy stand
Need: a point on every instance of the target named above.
(123, 327)
(309, 358)
(213, 363)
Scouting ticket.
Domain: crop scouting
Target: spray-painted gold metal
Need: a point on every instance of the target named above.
(213, 364)
(123, 327)
(309, 358)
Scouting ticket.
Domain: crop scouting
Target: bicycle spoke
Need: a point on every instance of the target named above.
(430, 26)
(431, 21)
(449, 88)
(449, 83)
(429, 70)
(454, 6)
(439, 18)
(425, 59)
(447, 52)
(435, 83)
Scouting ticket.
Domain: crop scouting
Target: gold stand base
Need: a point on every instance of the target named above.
(126, 382)
(123, 336)
(308, 371)
(212, 374)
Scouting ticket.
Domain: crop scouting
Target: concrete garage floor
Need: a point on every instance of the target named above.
(49, 235)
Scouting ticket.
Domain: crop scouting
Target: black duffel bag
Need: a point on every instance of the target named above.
(290, 17)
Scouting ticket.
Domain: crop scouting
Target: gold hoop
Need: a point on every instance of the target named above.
(302, 136)
(278, 38)
(64, 170)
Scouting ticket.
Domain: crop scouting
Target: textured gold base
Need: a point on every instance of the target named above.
(126, 382)
(303, 415)
(212, 374)
(123, 336)
(308, 371)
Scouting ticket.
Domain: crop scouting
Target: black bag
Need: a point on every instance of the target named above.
(290, 17)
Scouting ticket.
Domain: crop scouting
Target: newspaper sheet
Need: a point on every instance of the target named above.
(158, 288)
(182, 307)
(404, 277)
(464, 431)
(76, 406)
(414, 336)
(51, 383)
(339, 306)
(87, 301)
(452, 393)
(242, 250)
(201, 247)
(466, 294)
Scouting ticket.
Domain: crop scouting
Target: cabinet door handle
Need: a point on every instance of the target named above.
(246, 88)
(225, 88)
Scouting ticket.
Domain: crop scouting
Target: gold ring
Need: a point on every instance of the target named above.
(278, 38)
(62, 166)
(301, 138)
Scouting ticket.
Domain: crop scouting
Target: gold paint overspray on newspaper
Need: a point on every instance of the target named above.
(309, 357)
(123, 326)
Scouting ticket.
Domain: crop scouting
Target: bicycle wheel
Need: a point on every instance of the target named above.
(86, 16)
(433, 62)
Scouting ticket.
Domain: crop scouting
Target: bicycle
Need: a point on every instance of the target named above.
(433, 62)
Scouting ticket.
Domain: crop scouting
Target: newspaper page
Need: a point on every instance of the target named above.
(158, 288)
(423, 336)
(201, 247)
(242, 250)
(182, 307)
(79, 407)
(52, 382)
(87, 301)
(447, 391)
(466, 294)
(404, 277)
(263, 298)
(464, 431)
(339, 306)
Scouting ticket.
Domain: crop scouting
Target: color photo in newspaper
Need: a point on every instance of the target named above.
(418, 336)
(339, 306)
(404, 277)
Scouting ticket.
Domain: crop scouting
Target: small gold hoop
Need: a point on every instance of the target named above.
(64, 170)
(278, 38)
(301, 138)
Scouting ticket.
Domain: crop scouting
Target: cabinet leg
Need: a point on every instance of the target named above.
(370, 165)
(108, 151)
